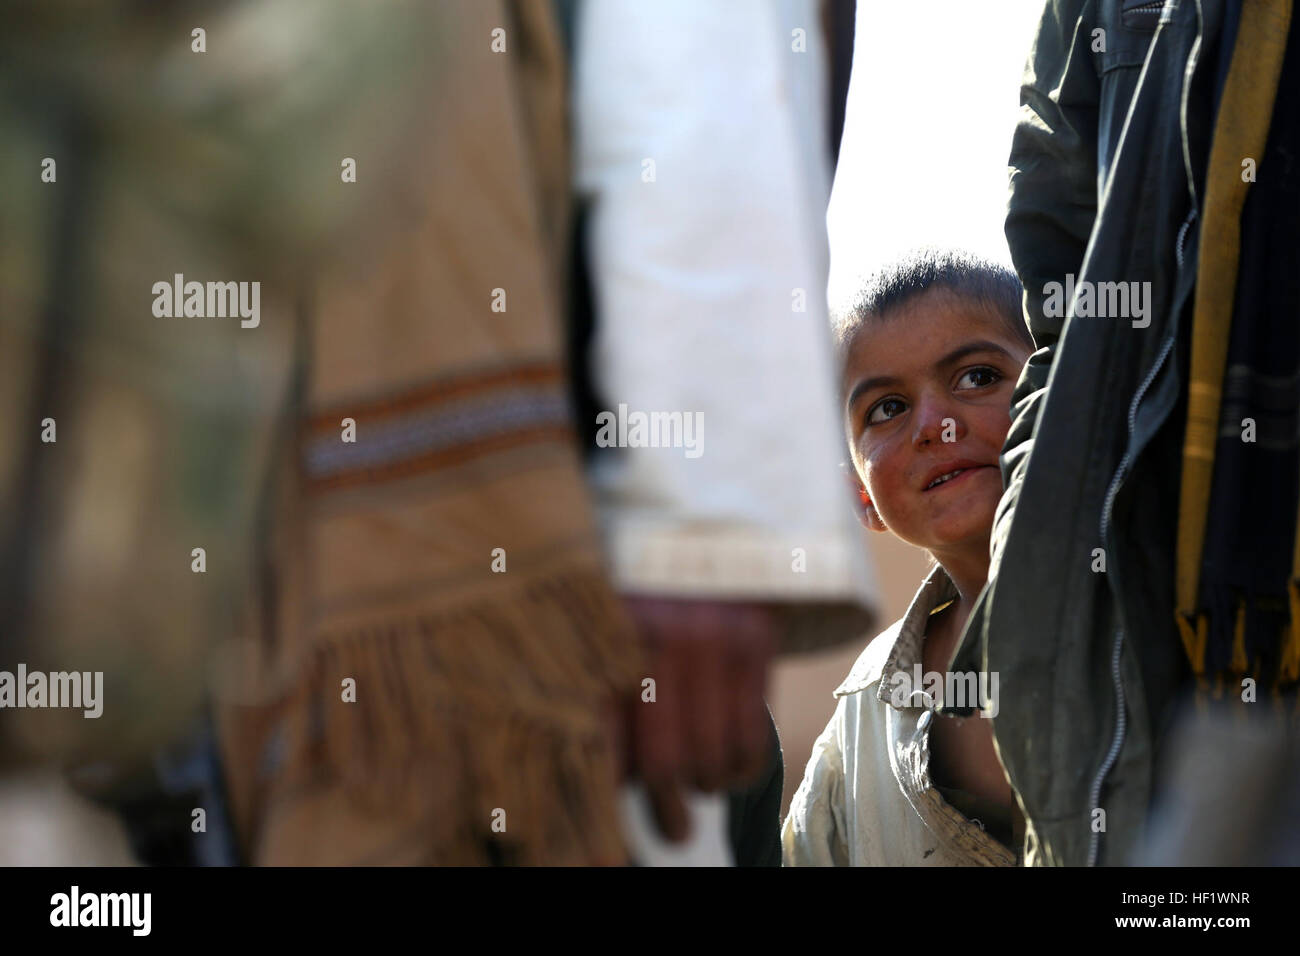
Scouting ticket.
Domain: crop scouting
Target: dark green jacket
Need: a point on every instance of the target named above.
(1106, 171)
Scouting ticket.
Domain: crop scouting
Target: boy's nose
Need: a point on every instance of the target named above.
(936, 423)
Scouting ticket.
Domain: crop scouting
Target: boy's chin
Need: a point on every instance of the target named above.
(970, 532)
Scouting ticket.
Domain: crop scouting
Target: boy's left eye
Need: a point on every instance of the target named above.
(979, 377)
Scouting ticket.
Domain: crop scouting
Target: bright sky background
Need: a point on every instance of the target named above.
(932, 102)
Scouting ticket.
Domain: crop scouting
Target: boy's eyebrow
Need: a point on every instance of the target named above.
(867, 384)
(979, 345)
(952, 358)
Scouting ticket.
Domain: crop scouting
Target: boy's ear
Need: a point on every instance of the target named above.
(863, 508)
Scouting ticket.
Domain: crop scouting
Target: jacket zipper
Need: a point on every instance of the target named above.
(1182, 235)
(1193, 58)
(1121, 472)
(1142, 16)
(1121, 715)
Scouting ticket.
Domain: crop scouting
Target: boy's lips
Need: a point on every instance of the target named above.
(951, 472)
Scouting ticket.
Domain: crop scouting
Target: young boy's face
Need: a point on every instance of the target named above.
(928, 394)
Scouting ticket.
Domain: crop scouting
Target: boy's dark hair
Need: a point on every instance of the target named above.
(992, 286)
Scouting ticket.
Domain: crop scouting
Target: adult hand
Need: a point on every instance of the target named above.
(707, 726)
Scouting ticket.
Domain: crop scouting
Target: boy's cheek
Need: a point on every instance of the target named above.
(994, 422)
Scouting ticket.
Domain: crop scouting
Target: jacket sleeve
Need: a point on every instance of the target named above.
(707, 255)
(814, 832)
(754, 818)
(1053, 203)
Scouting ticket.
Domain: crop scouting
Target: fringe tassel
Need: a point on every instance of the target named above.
(1194, 639)
(458, 714)
(1289, 666)
(1240, 663)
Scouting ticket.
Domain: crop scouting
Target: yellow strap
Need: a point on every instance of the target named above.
(1241, 131)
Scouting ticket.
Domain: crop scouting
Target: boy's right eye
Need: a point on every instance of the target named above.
(884, 410)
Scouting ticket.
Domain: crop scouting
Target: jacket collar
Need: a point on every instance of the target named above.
(899, 647)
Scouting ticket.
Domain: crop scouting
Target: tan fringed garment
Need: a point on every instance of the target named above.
(480, 694)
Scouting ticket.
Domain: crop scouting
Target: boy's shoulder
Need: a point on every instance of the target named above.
(870, 665)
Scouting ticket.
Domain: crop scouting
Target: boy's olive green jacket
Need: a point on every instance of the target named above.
(1107, 168)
